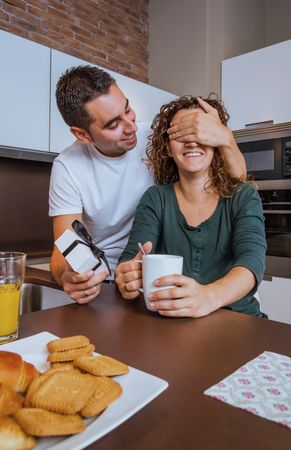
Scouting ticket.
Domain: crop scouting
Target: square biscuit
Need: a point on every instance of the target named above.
(62, 368)
(64, 392)
(37, 382)
(62, 365)
(101, 365)
(106, 391)
(39, 422)
(70, 355)
(32, 388)
(67, 343)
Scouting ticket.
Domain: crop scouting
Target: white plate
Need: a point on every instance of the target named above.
(139, 388)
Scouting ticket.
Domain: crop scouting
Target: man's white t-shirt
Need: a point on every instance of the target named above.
(103, 189)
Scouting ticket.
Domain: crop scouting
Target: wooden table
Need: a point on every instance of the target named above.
(192, 355)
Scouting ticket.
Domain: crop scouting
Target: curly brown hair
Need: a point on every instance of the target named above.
(164, 167)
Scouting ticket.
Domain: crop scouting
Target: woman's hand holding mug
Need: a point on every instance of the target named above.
(155, 267)
(128, 275)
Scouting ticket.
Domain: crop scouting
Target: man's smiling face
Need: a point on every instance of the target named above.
(113, 128)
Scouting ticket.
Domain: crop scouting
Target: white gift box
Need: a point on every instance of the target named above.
(78, 255)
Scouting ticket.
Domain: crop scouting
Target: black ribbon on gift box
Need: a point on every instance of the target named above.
(81, 231)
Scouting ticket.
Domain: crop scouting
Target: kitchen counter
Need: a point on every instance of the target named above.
(40, 277)
(191, 354)
(277, 267)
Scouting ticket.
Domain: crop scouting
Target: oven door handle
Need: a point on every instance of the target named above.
(276, 211)
(276, 233)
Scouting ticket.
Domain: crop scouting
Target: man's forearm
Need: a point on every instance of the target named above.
(233, 158)
(58, 266)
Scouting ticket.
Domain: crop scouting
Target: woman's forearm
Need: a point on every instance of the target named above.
(236, 284)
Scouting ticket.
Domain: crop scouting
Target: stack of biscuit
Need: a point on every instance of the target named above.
(77, 386)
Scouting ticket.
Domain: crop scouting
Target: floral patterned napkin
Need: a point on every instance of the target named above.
(261, 387)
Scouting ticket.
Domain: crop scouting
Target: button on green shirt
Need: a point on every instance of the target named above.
(233, 236)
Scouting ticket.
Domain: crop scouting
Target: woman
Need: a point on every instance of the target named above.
(199, 211)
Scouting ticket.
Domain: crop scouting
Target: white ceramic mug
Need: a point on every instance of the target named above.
(156, 266)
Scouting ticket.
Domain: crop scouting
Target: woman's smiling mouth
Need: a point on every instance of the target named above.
(193, 154)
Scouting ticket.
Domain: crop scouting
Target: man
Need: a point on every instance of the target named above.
(98, 179)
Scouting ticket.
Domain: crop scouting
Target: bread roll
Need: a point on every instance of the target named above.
(14, 372)
(12, 437)
(10, 401)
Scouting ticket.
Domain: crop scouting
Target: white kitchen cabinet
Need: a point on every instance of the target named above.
(24, 93)
(146, 100)
(29, 115)
(256, 86)
(60, 135)
(275, 299)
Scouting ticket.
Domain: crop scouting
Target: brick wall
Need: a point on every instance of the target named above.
(112, 34)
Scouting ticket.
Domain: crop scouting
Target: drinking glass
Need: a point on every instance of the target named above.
(12, 270)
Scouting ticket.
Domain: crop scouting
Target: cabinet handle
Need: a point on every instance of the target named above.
(268, 278)
(266, 123)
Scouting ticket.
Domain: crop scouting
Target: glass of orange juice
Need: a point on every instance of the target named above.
(12, 270)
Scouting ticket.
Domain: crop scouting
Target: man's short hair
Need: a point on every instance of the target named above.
(77, 86)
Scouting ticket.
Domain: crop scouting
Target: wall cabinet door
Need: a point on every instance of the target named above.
(28, 77)
(145, 99)
(24, 93)
(275, 299)
(60, 135)
(256, 86)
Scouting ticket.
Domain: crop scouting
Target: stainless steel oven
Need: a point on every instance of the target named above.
(276, 200)
(268, 159)
(267, 151)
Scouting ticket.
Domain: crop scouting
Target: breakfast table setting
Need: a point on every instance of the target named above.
(218, 382)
